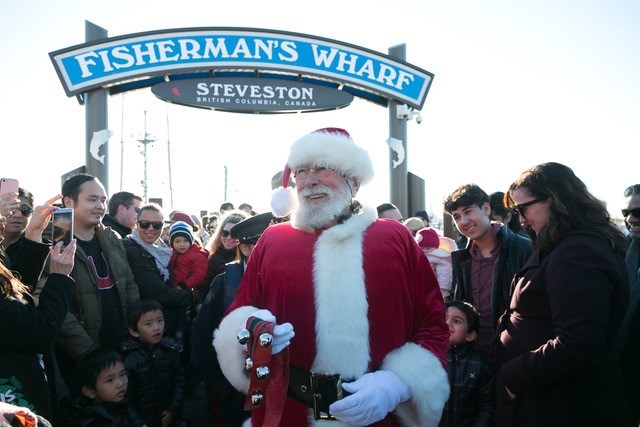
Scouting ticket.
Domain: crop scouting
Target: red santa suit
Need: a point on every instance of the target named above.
(361, 296)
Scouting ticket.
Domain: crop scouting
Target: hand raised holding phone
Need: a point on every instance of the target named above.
(40, 219)
(62, 259)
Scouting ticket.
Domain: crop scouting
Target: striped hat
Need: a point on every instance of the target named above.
(182, 229)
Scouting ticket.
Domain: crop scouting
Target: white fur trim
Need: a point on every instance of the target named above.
(342, 324)
(283, 201)
(334, 150)
(422, 371)
(231, 355)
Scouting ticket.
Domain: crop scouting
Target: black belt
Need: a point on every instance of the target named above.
(316, 390)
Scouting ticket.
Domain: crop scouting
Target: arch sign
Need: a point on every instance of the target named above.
(241, 69)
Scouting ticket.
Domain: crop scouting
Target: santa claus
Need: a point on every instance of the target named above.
(370, 335)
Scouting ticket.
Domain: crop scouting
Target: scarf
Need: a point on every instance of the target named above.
(158, 250)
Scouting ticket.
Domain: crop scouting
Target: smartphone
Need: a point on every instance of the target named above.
(62, 226)
(8, 185)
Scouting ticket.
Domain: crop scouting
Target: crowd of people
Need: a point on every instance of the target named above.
(325, 309)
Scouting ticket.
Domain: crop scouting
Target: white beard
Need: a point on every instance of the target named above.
(321, 216)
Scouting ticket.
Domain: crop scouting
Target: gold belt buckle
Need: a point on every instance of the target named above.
(316, 377)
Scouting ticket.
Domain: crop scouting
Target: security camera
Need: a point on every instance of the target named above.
(418, 119)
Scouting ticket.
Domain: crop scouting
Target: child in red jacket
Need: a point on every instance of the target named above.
(189, 261)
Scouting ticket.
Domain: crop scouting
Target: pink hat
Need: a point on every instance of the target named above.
(182, 216)
(428, 238)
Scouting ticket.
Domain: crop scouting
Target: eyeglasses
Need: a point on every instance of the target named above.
(302, 173)
(225, 233)
(25, 210)
(157, 225)
(635, 212)
(521, 208)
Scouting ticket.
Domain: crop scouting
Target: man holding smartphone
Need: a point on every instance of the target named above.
(22, 245)
(104, 281)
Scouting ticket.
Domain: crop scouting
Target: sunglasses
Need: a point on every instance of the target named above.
(225, 233)
(523, 207)
(25, 210)
(635, 212)
(157, 225)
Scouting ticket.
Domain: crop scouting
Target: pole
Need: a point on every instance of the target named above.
(398, 129)
(145, 141)
(169, 156)
(122, 142)
(96, 118)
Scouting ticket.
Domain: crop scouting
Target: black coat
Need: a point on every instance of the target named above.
(152, 285)
(472, 397)
(28, 332)
(557, 336)
(156, 380)
(87, 414)
(27, 258)
(122, 230)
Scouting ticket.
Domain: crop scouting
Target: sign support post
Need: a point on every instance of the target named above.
(398, 130)
(96, 121)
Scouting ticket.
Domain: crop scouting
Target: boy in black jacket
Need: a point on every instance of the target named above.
(156, 377)
(472, 399)
(104, 385)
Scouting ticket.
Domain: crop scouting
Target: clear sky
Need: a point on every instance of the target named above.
(516, 83)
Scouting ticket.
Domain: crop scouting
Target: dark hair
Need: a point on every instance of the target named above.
(467, 195)
(150, 207)
(573, 209)
(422, 214)
(26, 194)
(385, 207)
(92, 364)
(470, 312)
(122, 198)
(10, 285)
(633, 189)
(71, 187)
(226, 206)
(137, 309)
(496, 201)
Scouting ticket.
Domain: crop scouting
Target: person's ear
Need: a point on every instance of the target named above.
(471, 336)
(67, 201)
(356, 187)
(134, 333)
(486, 208)
(89, 392)
(507, 218)
(121, 209)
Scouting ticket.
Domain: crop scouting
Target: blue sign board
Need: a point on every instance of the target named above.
(121, 60)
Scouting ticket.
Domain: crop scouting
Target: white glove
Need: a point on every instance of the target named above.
(282, 334)
(374, 395)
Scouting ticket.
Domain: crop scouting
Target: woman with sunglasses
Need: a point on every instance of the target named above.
(149, 259)
(555, 364)
(222, 247)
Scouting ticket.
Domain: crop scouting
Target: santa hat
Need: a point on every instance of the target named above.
(427, 238)
(328, 147)
(180, 228)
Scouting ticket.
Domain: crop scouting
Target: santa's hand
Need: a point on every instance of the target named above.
(282, 334)
(373, 396)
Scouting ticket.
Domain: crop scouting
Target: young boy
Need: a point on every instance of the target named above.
(156, 377)
(104, 384)
(189, 261)
(472, 399)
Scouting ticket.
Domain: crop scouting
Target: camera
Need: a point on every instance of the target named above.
(418, 119)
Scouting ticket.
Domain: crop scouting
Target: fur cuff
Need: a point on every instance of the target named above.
(231, 355)
(427, 379)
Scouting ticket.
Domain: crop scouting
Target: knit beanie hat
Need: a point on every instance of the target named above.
(428, 238)
(182, 229)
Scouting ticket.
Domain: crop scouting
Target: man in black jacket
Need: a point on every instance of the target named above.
(123, 212)
(482, 272)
